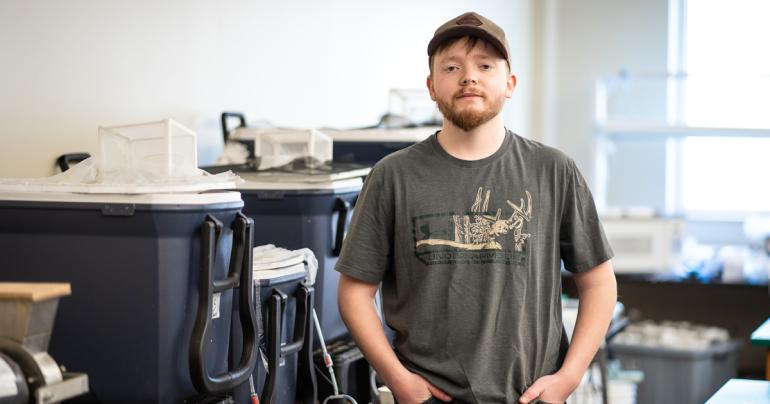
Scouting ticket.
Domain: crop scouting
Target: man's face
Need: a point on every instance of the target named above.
(470, 88)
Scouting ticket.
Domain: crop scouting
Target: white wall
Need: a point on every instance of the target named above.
(68, 67)
(582, 40)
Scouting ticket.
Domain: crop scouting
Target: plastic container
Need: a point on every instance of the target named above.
(368, 146)
(163, 146)
(135, 265)
(314, 216)
(278, 147)
(678, 375)
(148, 158)
(285, 306)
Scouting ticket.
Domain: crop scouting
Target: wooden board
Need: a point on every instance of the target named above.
(34, 292)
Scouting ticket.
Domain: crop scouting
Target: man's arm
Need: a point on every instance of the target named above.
(356, 303)
(597, 291)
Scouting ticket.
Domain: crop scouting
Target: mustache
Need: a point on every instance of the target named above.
(468, 91)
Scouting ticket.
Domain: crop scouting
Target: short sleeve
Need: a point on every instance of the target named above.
(582, 242)
(368, 246)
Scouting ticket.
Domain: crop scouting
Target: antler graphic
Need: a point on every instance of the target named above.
(523, 213)
(478, 205)
(478, 231)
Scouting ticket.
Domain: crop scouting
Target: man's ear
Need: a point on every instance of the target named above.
(429, 83)
(511, 85)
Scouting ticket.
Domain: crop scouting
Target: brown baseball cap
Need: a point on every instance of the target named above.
(470, 24)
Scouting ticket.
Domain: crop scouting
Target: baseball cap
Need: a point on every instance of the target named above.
(470, 24)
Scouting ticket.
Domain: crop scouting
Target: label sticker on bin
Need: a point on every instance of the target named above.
(215, 305)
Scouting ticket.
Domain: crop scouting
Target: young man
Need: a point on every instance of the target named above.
(465, 231)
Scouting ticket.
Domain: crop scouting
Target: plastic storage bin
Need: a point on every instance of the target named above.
(678, 375)
(285, 304)
(313, 218)
(368, 146)
(278, 147)
(135, 265)
(163, 146)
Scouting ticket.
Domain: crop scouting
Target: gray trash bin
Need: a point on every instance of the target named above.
(679, 375)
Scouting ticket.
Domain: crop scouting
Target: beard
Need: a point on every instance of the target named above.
(469, 118)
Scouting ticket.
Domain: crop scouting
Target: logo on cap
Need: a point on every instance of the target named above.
(469, 19)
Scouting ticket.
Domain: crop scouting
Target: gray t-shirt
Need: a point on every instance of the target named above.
(468, 253)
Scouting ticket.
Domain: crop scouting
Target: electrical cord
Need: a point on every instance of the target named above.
(329, 366)
(253, 393)
(321, 373)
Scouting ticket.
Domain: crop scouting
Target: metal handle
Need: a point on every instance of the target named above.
(302, 340)
(240, 274)
(225, 116)
(65, 160)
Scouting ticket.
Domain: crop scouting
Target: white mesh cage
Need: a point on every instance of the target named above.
(163, 147)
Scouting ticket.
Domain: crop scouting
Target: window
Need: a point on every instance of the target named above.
(722, 48)
(725, 174)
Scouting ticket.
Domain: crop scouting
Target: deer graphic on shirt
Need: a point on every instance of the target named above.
(479, 231)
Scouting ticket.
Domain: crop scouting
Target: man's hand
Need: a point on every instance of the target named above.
(411, 388)
(553, 388)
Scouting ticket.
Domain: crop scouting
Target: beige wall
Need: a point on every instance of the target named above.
(68, 66)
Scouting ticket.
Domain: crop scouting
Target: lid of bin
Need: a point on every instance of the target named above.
(306, 176)
(268, 277)
(272, 262)
(255, 183)
(185, 186)
(717, 349)
(34, 292)
(401, 135)
(192, 198)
